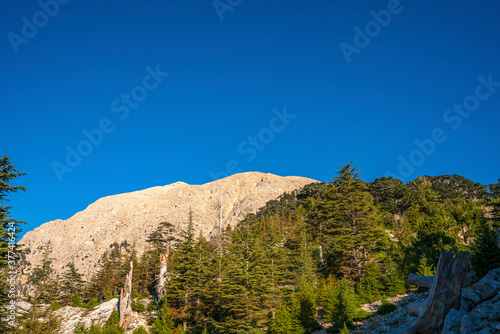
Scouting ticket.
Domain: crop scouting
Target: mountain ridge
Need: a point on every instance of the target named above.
(131, 216)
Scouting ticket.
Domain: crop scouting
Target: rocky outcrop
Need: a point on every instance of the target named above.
(479, 311)
(132, 216)
(479, 308)
(71, 317)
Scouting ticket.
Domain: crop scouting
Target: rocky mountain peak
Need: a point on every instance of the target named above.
(130, 217)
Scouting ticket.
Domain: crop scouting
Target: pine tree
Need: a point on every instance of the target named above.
(43, 279)
(394, 282)
(107, 281)
(237, 300)
(345, 329)
(164, 324)
(72, 284)
(163, 239)
(342, 304)
(285, 323)
(352, 231)
(184, 291)
(371, 285)
(485, 250)
(424, 268)
(45, 290)
(9, 234)
(307, 299)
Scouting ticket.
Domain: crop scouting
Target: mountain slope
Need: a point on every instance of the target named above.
(132, 216)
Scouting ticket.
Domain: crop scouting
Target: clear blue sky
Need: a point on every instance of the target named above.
(87, 65)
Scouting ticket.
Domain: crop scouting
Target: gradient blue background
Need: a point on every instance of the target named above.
(225, 79)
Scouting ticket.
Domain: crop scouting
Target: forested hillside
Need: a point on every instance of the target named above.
(308, 258)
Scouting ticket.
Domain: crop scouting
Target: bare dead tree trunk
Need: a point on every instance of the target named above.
(126, 300)
(423, 281)
(320, 250)
(444, 295)
(162, 279)
(160, 288)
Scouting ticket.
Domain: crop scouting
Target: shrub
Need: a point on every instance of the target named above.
(54, 306)
(138, 306)
(387, 307)
(91, 303)
(152, 306)
(76, 300)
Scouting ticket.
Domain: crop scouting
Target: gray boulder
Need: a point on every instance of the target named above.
(488, 288)
(452, 321)
(470, 299)
(467, 325)
(471, 278)
(493, 274)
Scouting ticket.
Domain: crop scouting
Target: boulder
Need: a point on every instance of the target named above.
(72, 316)
(470, 299)
(414, 308)
(487, 312)
(471, 278)
(453, 320)
(467, 325)
(493, 274)
(487, 288)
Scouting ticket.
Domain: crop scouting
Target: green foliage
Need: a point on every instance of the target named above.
(307, 300)
(485, 250)
(109, 327)
(72, 285)
(140, 330)
(114, 319)
(456, 186)
(387, 307)
(9, 234)
(371, 285)
(76, 300)
(91, 303)
(80, 329)
(394, 283)
(138, 306)
(152, 306)
(55, 306)
(179, 330)
(342, 304)
(424, 268)
(107, 281)
(284, 322)
(345, 329)
(352, 230)
(164, 324)
(31, 325)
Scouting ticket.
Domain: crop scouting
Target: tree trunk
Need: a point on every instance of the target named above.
(162, 279)
(444, 295)
(160, 288)
(126, 300)
(423, 281)
(320, 251)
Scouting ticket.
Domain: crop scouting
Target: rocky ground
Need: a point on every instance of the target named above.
(72, 316)
(479, 310)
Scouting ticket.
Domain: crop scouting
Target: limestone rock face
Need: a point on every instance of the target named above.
(72, 316)
(130, 217)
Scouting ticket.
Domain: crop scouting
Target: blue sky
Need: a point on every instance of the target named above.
(290, 88)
